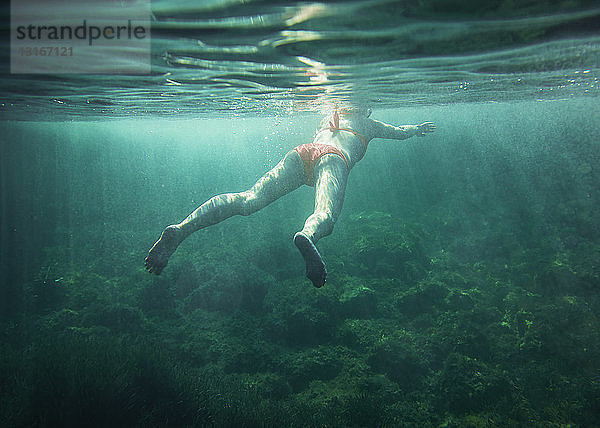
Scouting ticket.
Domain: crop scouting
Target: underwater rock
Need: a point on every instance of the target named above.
(559, 277)
(384, 246)
(361, 334)
(63, 319)
(357, 300)
(218, 280)
(302, 326)
(268, 385)
(229, 293)
(118, 318)
(396, 356)
(245, 356)
(277, 259)
(157, 297)
(421, 298)
(308, 325)
(186, 280)
(320, 363)
(298, 314)
(461, 332)
(459, 300)
(469, 385)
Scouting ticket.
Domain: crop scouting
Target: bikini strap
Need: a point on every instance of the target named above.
(335, 126)
(336, 122)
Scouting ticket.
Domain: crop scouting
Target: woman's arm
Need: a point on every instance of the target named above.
(385, 130)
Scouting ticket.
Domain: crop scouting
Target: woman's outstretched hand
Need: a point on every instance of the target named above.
(425, 128)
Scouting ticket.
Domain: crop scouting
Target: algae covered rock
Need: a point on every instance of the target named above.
(420, 298)
(267, 385)
(118, 318)
(307, 325)
(396, 355)
(380, 245)
(468, 384)
(320, 363)
(357, 300)
(300, 315)
(226, 289)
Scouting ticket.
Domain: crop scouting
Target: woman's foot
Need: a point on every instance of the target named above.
(159, 254)
(315, 268)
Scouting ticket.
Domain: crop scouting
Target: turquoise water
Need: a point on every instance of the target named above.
(463, 272)
(220, 57)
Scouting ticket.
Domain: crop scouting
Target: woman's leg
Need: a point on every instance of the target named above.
(286, 176)
(332, 174)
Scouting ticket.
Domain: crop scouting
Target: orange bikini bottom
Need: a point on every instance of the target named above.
(310, 153)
